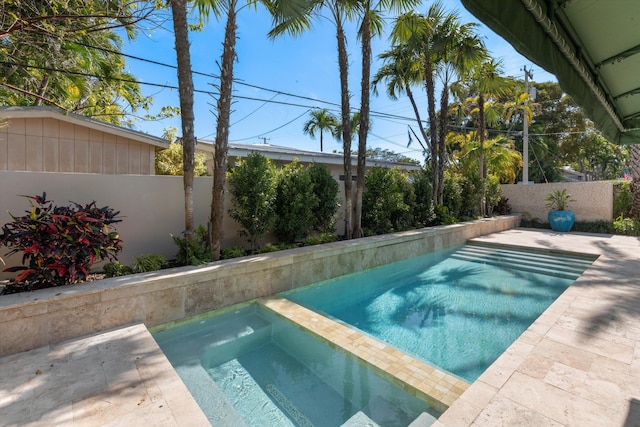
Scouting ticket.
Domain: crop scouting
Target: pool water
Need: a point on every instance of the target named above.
(252, 367)
(457, 309)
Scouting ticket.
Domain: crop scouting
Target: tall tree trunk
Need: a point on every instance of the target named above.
(433, 127)
(44, 83)
(346, 124)
(321, 148)
(222, 131)
(442, 139)
(481, 160)
(635, 184)
(423, 131)
(363, 130)
(185, 89)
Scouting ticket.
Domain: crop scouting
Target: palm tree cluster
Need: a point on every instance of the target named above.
(428, 51)
(425, 48)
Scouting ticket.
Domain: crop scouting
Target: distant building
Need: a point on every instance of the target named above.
(43, 139)
(570, 175)
(283, 155)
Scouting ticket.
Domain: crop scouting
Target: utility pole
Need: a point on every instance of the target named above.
(264, 139)
(528, 74)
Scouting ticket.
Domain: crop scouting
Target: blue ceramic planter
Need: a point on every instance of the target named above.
(561, 220)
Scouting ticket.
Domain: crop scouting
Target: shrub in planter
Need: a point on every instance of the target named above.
(59, 243)
(233, 252)
(193, 249)
(149, 262)
(116, 269)
(559, 217)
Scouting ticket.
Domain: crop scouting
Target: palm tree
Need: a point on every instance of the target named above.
(445, 48)
(370, 26)
(185, 89)
(320, 121)
(341, 11)
(501, 157)
(401, 71)
(486, 84)
(281, 11)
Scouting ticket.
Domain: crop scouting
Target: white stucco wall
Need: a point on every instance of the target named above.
(592, 201)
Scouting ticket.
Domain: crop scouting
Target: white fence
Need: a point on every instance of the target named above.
(151, 207)
(591, 201)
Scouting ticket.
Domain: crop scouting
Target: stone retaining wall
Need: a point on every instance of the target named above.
(35, 319)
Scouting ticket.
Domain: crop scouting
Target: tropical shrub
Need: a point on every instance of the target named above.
(234, 252)
(59, 243)
(295, 203)
(115, 269)
(470, 195)
(423, 212)
(325, 189)
(319, 239)
(149, 262)
(502, 207)
(169, 161)
(252, 184)
(627, 226)
(493, 192)
(453, 201)
(269, 247)
(622, 199)
(387, 201)
(193, 249)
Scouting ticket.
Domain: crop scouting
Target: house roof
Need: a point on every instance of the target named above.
(287, 154)
(593, 48)
(76, 119)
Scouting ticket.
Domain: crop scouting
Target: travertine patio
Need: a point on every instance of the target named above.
(577, 365)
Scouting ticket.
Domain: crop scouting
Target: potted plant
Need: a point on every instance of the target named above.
(559, 217)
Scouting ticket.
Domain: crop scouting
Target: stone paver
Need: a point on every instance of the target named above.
(114, 378)
(577, 365)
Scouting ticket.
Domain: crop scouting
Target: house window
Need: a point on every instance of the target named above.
(353, 178)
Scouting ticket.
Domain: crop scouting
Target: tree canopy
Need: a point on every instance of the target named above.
(65, 54)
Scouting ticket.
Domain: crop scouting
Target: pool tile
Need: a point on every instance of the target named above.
(437, 387)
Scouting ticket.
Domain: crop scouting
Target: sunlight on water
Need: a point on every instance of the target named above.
(458, 309)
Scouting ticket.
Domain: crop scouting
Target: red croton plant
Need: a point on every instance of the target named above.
(59, 243)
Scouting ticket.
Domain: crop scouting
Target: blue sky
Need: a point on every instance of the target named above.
(305, 66)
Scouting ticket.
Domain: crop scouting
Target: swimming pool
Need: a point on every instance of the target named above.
(248, 366)
(458, 309)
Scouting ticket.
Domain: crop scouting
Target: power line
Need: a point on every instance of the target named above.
(242, 83)
(211, 75)
(211, 93)
(260, 135)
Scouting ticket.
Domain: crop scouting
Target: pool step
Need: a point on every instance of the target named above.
(209, 396)
(232, 338)
(563, 266)
(424, 420)
(360, 419)
(249, 399)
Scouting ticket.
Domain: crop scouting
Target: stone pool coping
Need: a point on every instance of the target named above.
(438, 388)
(577, 365)
(579, 362)
(112, 378)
